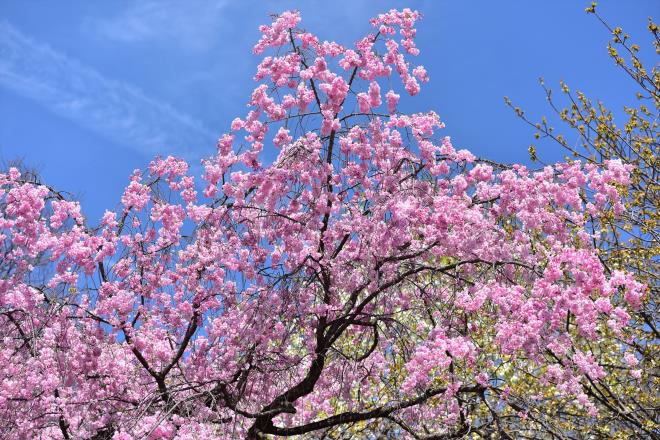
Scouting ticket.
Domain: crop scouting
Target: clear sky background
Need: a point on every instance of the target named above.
(90, 90)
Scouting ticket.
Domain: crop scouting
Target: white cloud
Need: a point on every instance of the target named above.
(114, 109)
(193, 24)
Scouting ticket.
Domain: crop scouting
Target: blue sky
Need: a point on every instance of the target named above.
(90, 91)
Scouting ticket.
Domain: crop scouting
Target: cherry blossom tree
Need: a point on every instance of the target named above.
(370, 279)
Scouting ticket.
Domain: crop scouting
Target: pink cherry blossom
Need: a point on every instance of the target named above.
(370, 272)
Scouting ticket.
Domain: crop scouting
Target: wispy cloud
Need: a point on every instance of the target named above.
(114, 109)
(193, 24)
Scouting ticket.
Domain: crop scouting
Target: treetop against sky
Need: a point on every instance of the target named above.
(115, 83)
(338, 267)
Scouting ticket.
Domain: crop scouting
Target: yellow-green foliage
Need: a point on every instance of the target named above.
(629, 407)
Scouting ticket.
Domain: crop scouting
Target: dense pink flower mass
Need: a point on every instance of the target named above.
(371, 272)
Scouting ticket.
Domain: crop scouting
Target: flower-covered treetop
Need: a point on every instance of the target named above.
(368, 279)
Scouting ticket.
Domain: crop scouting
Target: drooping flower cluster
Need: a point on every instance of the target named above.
(369, 273)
